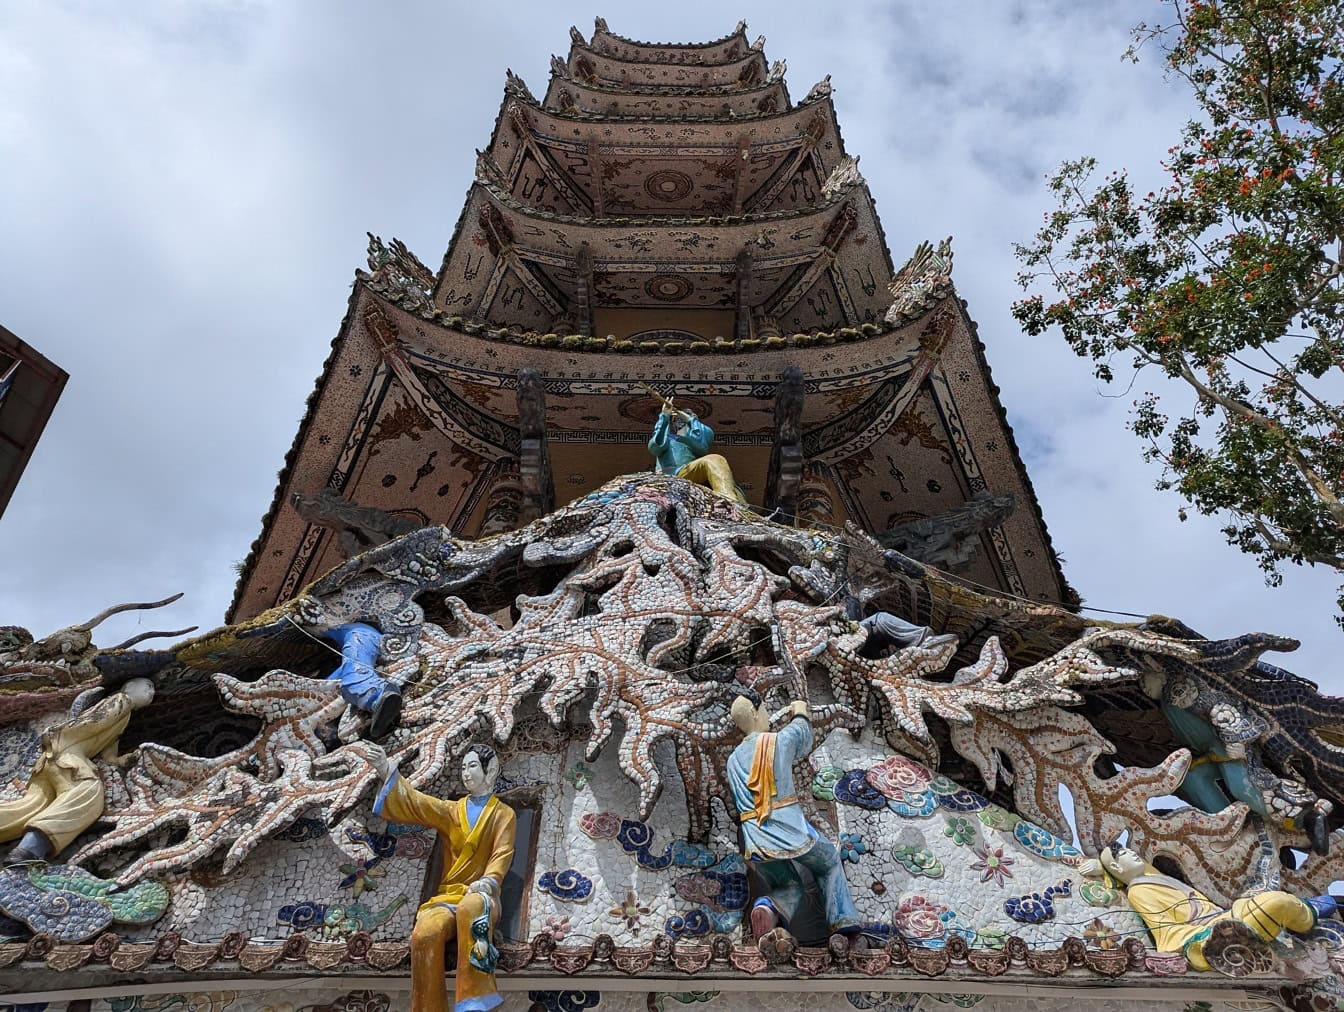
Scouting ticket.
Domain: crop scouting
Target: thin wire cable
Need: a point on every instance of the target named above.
(853, 543)
(320, 642)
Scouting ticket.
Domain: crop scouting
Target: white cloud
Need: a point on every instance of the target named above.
(184, 191)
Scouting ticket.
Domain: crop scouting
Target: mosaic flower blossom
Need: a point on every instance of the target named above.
(960, 830)
(362, 876)
(1098, 894)
(918, 861)
(920, 919)
(896, 776)
(852, 846)
(600, 825)
(998, 818)
(992, 865)
(629, 910)
(992, 938)
(558, 927)
(580, 774)
(823, 784)
(1099, 936)
(414, 845)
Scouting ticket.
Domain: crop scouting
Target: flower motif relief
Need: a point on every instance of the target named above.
(854, 789)
(992, 865)
(558, 927)
(1099, 936)
(600, 825)
(823, 783)
(918, 861)
(362, 876)
(998, 818)
(919, 919)
(1097, 894)
(992, 938)
(579, 775)
(629, 910)
(852, 846)
(897, 776)
(960, 830)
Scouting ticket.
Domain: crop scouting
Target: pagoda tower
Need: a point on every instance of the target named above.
(665, 216)
(503, 718)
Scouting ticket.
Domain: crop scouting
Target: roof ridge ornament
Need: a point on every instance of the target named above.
(926, 278)
(600, 25)
(488, 172)
(777, 71)
(758, 45)
(576, 37)
(398, 273)
(516, 86)
(820, 90)
(559, 68)
(845, 174)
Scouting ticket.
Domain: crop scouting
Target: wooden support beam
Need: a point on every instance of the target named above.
(804, 278)
(583, 291)
(534, 458)
(797, 163)
(740, 159)
(595, 167)
(786, 455)
(742, 329)
(521, 123)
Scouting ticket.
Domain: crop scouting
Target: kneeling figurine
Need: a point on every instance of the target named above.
(776, 836)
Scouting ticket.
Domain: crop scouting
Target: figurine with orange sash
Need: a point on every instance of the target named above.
(776, 835)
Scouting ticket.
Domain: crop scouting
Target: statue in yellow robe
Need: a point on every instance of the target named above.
(680, 445)
(65, 794)
(477, 833)
(1181, 918)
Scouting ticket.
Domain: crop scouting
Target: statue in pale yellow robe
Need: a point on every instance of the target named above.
(65, 794)
(477, 833)
(1181, 918)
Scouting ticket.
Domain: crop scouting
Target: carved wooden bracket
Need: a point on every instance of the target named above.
(743, 324)
(949, 539)
(786, 456)
(583, 291)
(534, 461)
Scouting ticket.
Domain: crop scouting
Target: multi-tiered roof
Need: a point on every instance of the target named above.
(665, 214)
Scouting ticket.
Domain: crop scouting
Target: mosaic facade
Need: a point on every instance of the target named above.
(1010, 790)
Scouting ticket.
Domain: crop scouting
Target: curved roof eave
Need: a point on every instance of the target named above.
(1066, 591)
(655, 92)
(533, 106)
(738, 32)
(747, 57)
(584, 221)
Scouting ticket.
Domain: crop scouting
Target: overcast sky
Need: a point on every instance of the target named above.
(185, 188)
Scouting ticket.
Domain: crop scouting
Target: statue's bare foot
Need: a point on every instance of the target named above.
(763, 921)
